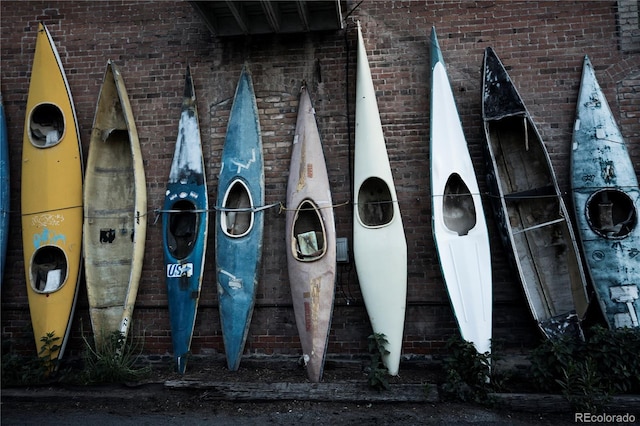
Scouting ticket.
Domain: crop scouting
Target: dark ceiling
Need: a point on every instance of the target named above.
(231, 18)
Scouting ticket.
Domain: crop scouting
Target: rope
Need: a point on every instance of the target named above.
(376, 202)
(247, 209)
(284, 208)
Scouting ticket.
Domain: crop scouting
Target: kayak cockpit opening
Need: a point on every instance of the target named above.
(183, 229)
(236, 217)
(46, 125)
(375, 204)
(611, 213)
(308, 241)
(458, 208)
(48, 269)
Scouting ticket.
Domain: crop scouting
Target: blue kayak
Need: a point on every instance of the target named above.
(184, 227)
(607, 202)
(239, 220)
(4, 189)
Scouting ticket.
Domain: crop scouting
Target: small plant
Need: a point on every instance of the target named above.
(114, 361)
(589, 372)
(19, 370)
(378, 373)
(582, 387)
(467, 372)
(49, 352)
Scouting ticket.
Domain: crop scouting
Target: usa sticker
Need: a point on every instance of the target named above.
(177, 270)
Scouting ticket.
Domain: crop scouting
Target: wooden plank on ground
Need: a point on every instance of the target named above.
(340, 391)
(551, 403)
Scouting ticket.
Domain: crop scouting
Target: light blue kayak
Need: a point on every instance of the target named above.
(607, 202)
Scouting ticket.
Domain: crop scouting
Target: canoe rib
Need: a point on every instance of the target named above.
(115, 204)
(531, 213)
(310, 239)
(459, 226)
(379, 243)
(605, 197)
(185, 227)
(51, 225)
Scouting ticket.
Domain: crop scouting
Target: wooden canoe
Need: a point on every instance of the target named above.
(379, 244)
(310, 239)
(184, 227)
(529, 208)
(51, 197)
(5, 202)
(459, 226)
(239, 220)
(606, 200)
(115, 207)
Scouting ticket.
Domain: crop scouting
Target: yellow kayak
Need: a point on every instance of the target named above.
(51, 197)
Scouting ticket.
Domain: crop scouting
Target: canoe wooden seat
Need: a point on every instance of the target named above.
(542, 191)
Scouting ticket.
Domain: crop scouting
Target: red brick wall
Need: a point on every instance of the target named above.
(541, 43)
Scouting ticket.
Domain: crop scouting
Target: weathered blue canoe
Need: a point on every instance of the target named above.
(239, 221)
(184, 227)
(4, 189)
(607, 202)
(531, 214)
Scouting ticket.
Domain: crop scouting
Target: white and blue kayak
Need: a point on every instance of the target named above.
(459, 225)
(606, 198)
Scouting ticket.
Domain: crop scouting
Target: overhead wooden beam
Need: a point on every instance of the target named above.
(303, 12)
(238, 15)
(206, 16)
(273, 18)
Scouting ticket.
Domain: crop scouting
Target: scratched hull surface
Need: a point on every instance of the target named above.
(239, 226)
(310, 240)
(607, 204)
(4, 189)
(184, 227)
(51, 199)
(531, 213)
(115, 224)
(379, 244)
(459, 226)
